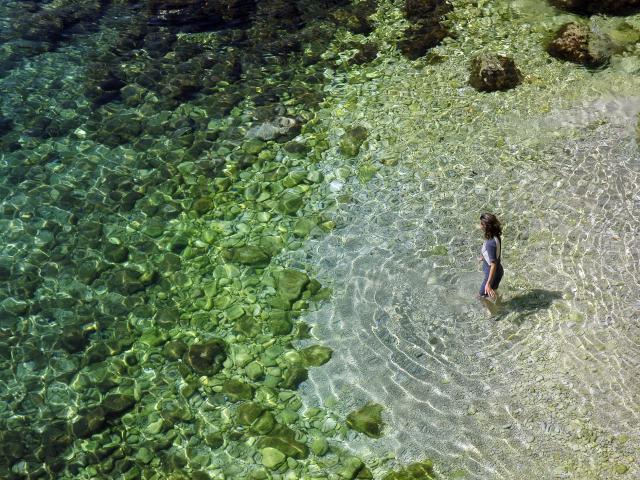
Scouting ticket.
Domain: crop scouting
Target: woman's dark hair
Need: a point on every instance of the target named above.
(491, 224)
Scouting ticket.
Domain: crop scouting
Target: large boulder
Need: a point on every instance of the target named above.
(574, 42)
(490, 72)
(588, 7)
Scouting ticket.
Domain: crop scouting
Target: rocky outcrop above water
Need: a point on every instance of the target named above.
(575, 42)
(426, 30)
(490, 73)
(588, 7)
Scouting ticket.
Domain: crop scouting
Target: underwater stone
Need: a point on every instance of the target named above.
(294, 376)
(315, 355)
(303, 227)
(290, 202)
(367, 420)
(167, 317)
(290, 284)
(6, 125)
(415, 471)
(279, 127)
(589, 7)
(574, 42)
(283, 438)
(350, 468)
(272, 458)
(207, 358)
(264, 424)
(248, 255)
(117, 403)
(426, 29)
(73, 339)
(202, 205)
(491, 73)
(319, 446)
(352, 140)
(116, 253)
(214, 440)
(237, 390)
(249, 412)
(88, 422)
(254, 371)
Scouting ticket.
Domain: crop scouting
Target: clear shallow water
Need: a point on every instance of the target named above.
(544, 384)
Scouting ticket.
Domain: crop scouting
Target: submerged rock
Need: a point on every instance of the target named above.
(352, 140)
(290, 284)
(282, 438)
(490, 72)
(415, 471)
(207, 358)
(201, 14)
(277, 128)
(612, 7)
(272, 458)
(315, 355)
(426, 30)
(248, 255)
(574, 42)
(367, 420)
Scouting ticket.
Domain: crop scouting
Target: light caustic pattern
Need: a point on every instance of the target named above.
(547, 383)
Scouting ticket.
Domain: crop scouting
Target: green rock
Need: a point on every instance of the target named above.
(237, 390)
(214, 440)
(202, 205)
(247, 326)
(234, 313)
(319, 446)
(254, 371)
(352, 140)
(439, 250)
(367, 420)
(152, 337)
(174, 349)
(253, 146)
(315, 355)
(415, 471)
(283, 438)
(290, 202)
(290, 284)
(303, 227)
(264, 424)
(117, 403)
(116, 253)
(88, 422)
(350, 468)
(621, 469)
(144, 455)
(294, 376)
(249, 255)
(272, 458)
(207, 358)
(249, 412)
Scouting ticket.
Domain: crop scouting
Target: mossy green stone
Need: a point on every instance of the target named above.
(283, 438)
(234, 312)
(303, 227)
(249, 255)
(254, 371)
(294, 376)
(237, 390)
(440, 250)
(117, 403)
(248, 413)
(207, 358)
(116, 253)
(315, 355)
(290, 202)
(202, 205)
(319, 446)
(350, 468)
(367, 420)
(621, 469)
(415, 471)
(272, 458)
(152, 337)
(174, 350)
(352, 140)
(264, 424)
(290, 284)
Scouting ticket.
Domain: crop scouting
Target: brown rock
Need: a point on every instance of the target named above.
(588, 7)
(573, 42)
(490, 72)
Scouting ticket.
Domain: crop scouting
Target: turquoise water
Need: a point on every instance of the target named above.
(222, 239)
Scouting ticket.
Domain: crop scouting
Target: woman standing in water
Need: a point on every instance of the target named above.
(491, 250)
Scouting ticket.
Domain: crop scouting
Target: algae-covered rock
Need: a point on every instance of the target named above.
(174, 349)
(294, 376)
(290, 284)
(426, 29)
(415, 471)
(202, 205)
(88, 422)
(116, 253)
(315, 355)
(319, 446)
(574, 42)
(490, 72)
(290, 202)
(282, 438)
(272, 458)
(367, 420)
(249, 412)
(352, 140)
(237, 390)
(207, 358)
(589, 7)
(248, 255)
(350, 468)
(117, 403)
(264, 424)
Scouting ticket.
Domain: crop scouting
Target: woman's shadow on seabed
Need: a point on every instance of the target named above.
(524, 305)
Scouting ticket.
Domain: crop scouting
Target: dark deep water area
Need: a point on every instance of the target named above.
(238, 239)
